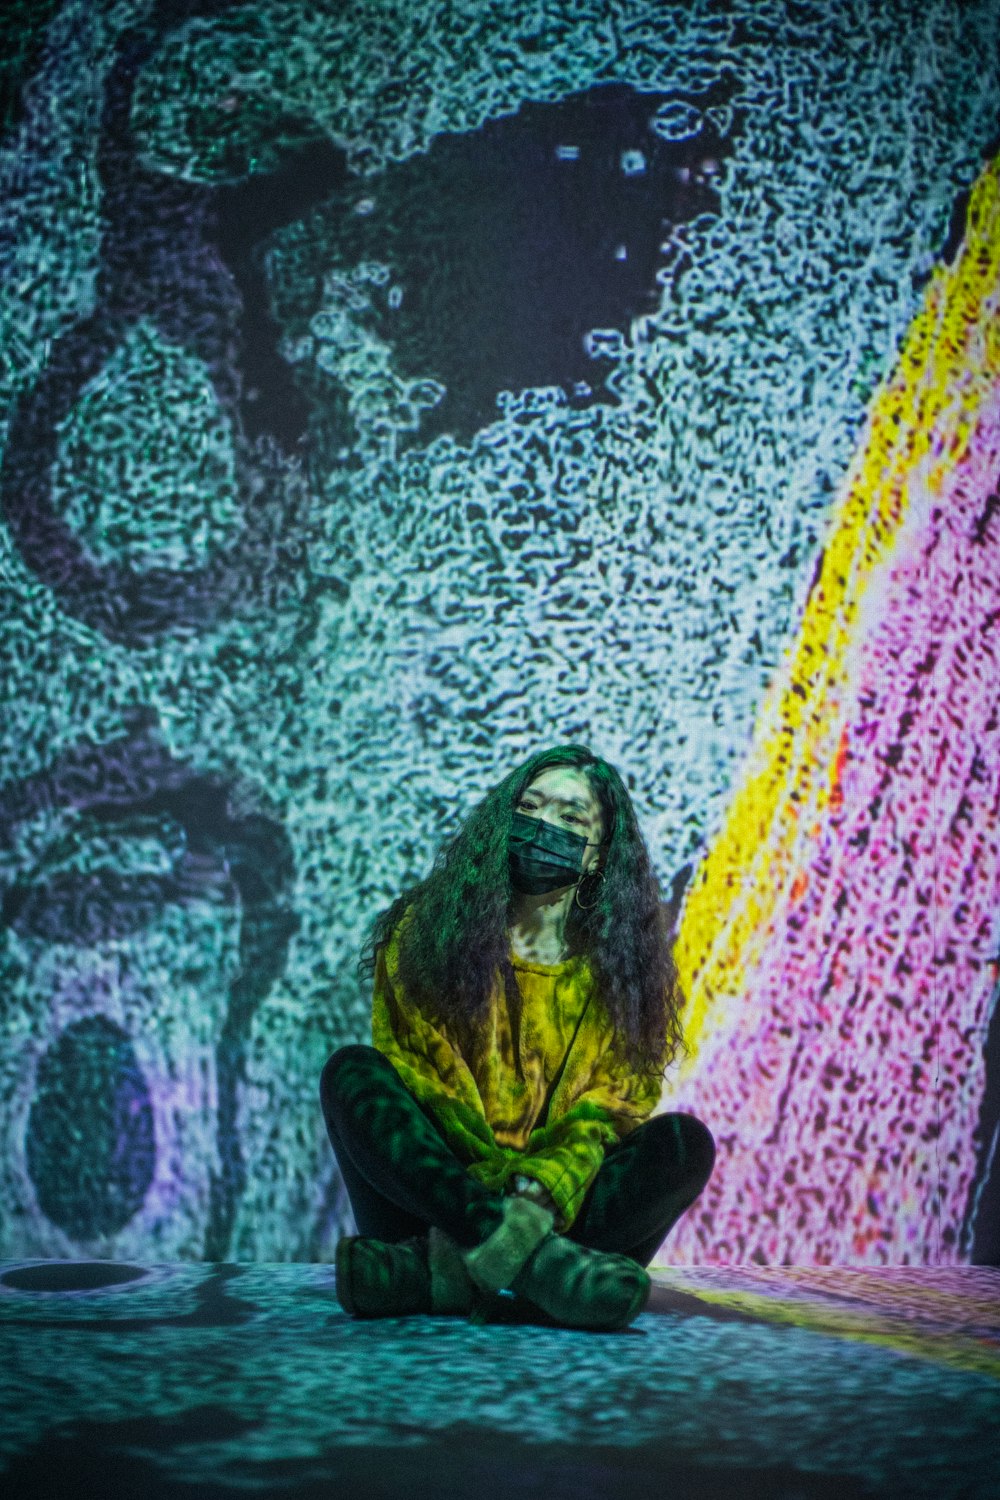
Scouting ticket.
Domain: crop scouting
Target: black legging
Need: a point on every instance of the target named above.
(402, 1175)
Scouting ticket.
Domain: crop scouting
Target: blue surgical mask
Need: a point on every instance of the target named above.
(543, 856)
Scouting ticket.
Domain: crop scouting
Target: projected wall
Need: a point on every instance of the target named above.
(388, 391)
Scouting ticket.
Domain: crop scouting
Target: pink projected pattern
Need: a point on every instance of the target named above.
(843, 1071)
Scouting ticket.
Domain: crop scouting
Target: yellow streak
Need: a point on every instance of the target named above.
(863, 1325)
(918, 426)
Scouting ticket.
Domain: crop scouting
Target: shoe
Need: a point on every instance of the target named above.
(584, 1288)
(422, 1275)
(575, 1286)
(376, 1280)
(452, 1288)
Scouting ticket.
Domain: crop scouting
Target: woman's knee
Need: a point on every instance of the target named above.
(688, 1146)
(699, 1148)
(348, 1064)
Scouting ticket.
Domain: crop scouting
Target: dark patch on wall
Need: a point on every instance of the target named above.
(509, 244)
(23, 28)
(243, 857)
(90, 1146)
(248, 212)
(982, 1229)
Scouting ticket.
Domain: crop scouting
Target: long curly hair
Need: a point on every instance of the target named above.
(455, 940)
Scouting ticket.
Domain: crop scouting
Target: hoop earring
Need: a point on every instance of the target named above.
(598, 876)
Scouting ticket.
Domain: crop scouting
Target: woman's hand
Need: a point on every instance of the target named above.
(530, 1187)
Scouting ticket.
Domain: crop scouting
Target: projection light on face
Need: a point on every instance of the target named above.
(543, 857)
(555, 833)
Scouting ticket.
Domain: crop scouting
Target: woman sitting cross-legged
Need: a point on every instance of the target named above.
(497, 1138)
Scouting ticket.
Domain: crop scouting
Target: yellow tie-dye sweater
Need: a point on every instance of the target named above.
(538, 1090)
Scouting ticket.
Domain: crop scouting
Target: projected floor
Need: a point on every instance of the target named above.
(209, 1379)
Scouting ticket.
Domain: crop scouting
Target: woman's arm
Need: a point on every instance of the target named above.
(587, 1115)
(430, 1067)
(530, 1187)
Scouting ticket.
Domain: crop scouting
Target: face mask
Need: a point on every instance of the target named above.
(542, 856)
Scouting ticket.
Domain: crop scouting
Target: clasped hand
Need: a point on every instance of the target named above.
(529, 1187)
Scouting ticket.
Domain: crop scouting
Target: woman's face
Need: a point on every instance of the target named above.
(562, 795)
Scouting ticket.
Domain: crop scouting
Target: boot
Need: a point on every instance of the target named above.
(377, 1280)
(584, 1288)
(452, 1288)
(575, 1286)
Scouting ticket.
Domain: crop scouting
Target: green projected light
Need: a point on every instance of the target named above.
(388, 391)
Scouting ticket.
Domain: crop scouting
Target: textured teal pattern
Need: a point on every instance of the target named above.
(250, 1378)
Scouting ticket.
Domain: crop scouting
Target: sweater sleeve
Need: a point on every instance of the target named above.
(566, 1154)
(429, 1065)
